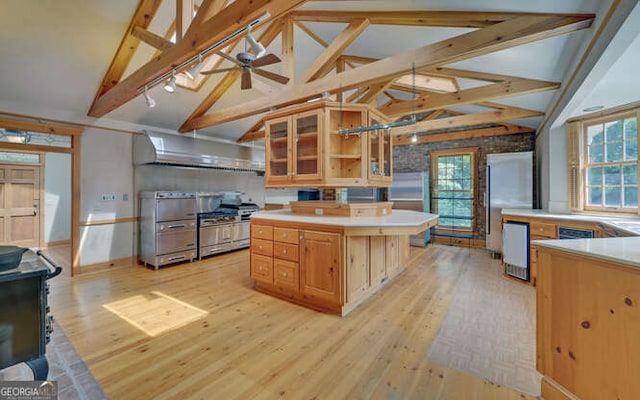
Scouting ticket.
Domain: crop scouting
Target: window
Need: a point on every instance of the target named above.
(454, 186)
(603, 164)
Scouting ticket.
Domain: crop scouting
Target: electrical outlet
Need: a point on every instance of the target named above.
(108, 197)
(318, 211)
(125, 196)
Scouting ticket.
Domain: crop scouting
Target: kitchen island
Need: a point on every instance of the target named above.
(330, 263)
(588, 317)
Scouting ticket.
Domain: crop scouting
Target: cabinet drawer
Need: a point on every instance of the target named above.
(286, 235)
(262, 232)
(262, 268)
(286, 251)
(543, 229)
(286, 274)
(264, 247)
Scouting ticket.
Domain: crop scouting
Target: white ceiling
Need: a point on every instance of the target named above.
(56, 52)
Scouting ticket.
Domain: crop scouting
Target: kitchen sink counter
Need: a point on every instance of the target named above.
(627, 224)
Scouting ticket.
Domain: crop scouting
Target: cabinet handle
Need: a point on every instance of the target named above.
(284, 251)
(260, 247)
(260, 268)
(284, 274)
(260, 231)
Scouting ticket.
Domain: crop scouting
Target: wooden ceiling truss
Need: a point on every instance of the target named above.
(359, 79)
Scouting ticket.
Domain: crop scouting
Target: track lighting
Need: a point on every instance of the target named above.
(193, 71)
(150, 101)
(257, 47)
(414, 138)
(170, 86)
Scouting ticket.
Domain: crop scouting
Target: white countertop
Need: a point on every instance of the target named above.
(628, 224)
(397, 218)
(625, 250)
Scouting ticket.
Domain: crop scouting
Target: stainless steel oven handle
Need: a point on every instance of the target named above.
(176, 258)
(176, 226)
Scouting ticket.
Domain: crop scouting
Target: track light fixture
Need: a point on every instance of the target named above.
(170, 86)
(150, 101)
(414, 138)
(193, 71)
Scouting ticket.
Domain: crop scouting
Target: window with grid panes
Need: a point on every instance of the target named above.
(454, 185)
(611, 165)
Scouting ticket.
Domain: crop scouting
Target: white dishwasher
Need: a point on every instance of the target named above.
(515, 249)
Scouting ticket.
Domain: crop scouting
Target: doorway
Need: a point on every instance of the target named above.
(20, 199)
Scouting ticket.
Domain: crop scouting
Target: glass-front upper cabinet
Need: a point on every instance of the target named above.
(380, 153)
(293, 149)
(277, 147)
(307, 145)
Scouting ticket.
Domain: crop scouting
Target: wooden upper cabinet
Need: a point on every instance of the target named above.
(305, 146)
(380, 152)
(293, 149)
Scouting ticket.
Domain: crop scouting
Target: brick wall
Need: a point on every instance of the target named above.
(416, 158)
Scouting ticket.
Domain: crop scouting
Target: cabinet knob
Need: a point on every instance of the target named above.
(260, 231)
(284, 274)
(260, 247)
(284, 251)
(260, 268)
(541, 229)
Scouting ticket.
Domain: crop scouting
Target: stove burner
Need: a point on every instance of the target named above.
(217, 214)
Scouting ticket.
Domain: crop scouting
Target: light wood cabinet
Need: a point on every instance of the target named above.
(293, 149)
(323, 268)
(320, 266)
(304, 147)
(380, 152)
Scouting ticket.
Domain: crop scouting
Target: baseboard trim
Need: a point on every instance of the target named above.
(463, 242)
(103, 266)
(57, 243)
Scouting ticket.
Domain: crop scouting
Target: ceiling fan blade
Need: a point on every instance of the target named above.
(215, 71)
(228, 57)
(266, 60)
(246, 79)
(270, 75)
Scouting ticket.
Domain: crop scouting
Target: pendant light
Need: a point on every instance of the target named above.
(170, 86)
(150, 101)
(195, 68)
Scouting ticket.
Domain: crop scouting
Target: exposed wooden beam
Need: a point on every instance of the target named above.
(142, 18)
(326, 61)
(267, 36)
(184, 16)
(459, 135)
(463, 73)
(514, 32)
(359, 59)
(256, 132)
(287, 56)
(466, 120)
(207, 10)
(434, 101)
(458, 19)
(374, 91)
(152, 39)
(38, 127)
(233, 17)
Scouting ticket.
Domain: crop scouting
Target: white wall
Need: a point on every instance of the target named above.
(57, 197)
(106, 169)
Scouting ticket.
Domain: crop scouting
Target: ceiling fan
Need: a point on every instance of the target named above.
(248, 63)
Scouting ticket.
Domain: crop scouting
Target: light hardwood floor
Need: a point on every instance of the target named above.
(217, 338)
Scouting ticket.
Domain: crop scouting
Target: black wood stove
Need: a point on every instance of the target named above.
(25, 322)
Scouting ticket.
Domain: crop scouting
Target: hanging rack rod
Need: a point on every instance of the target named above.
(389, 125)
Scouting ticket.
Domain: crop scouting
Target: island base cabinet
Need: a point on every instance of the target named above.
(588, 320)
(327, 271)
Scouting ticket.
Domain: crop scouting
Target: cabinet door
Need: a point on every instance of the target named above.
(374, 154)
(377, 260)
(357, 260)
(306, 147)
(285, 274)
(386, 156)
(392, 255)
(278, 150)
(380, 153)
(320, 266)
(261, 268)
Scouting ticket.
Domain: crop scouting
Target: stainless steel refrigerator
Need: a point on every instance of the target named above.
(509, 185)
(410, 191)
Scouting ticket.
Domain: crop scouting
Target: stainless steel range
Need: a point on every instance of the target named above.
(222, 226)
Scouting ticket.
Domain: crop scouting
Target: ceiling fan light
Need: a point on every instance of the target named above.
(195, 68)
(170, 86)
(150, 101)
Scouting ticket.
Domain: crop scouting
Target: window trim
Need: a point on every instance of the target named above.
(577, 161)
(435, 154)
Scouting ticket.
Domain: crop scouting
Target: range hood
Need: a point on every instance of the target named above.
(185, 151)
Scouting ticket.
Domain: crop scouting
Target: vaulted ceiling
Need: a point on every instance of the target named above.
(495, 66)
